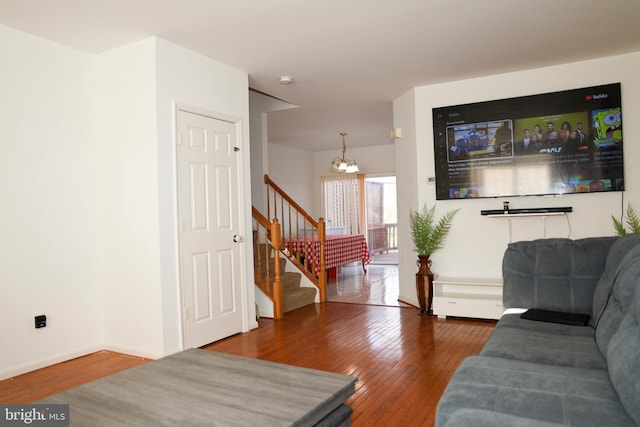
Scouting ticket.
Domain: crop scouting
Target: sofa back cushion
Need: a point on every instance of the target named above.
(620, 299)
(554, 274)
(622, 356)
(617, 254)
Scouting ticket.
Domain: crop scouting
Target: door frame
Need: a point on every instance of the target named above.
(242, 222)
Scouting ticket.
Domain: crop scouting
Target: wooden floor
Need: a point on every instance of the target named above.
(403, 361)
(44, 382)
(378, 286)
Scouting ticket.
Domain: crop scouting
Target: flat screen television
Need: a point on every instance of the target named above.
(551, 143)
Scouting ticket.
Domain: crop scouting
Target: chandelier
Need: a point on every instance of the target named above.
(343, 165)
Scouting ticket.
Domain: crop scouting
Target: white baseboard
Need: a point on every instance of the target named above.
(64, 357)
(133, 352)
(43, 363)
(412, 301)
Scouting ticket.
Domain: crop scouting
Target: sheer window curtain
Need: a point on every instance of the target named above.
(343, 202)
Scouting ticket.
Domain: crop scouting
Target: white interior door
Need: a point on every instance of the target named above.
(210, 252)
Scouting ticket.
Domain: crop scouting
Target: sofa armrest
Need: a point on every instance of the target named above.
(554, 274)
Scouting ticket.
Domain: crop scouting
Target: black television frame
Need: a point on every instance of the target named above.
(475, 159)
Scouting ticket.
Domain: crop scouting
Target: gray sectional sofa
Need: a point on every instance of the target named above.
(561, 368)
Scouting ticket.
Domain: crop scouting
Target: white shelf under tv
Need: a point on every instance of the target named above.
(473, 298)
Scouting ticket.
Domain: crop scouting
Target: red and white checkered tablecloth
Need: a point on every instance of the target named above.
(338, 249)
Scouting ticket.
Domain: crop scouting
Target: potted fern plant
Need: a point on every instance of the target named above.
(428, 235)
(632, 221)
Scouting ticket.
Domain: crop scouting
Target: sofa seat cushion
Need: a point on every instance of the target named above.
(548, 343)
(530, 391)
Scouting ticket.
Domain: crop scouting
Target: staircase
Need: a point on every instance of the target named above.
(294, 295)
(283, 282)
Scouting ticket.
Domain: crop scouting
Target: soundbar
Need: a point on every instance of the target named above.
(527, 211)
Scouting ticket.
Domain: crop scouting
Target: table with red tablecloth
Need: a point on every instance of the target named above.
(338, 250)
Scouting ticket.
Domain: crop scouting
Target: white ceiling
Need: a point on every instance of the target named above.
(349, 58)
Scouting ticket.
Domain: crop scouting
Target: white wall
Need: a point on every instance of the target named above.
(289, 168)
(476, 244)
(259, 107)
(126, 136)
(88, 180)
(407, 167)
(49, 227)
(188, 78)
(141, 84)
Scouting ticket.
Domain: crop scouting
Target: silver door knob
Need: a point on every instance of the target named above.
(237, 238)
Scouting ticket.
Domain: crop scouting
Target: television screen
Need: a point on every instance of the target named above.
(552, 143)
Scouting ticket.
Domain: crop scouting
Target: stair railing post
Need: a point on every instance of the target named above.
(322, 274)
(278, 306)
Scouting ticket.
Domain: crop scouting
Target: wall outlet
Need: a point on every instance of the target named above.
(41, 321)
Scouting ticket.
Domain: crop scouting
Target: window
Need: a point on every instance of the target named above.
(342, 201)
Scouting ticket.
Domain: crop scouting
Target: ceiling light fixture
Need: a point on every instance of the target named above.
(343, 165)
(286, 80)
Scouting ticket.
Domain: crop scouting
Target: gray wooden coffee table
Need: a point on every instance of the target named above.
(204, 388)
